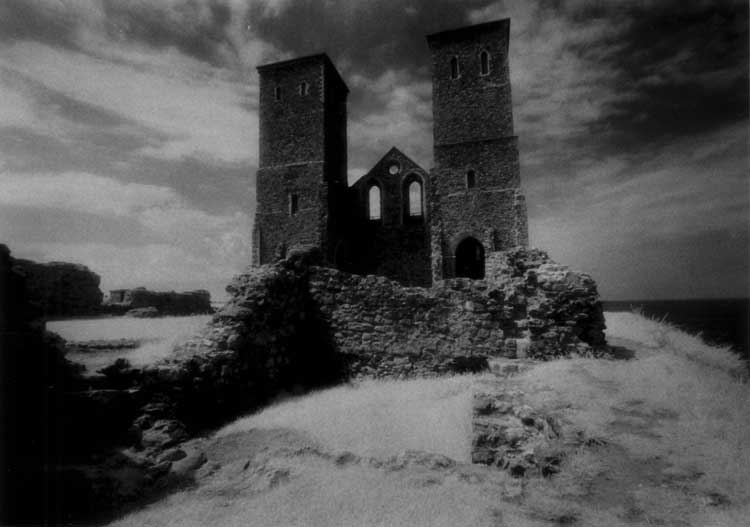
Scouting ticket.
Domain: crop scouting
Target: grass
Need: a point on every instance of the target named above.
(379, 418)
(674, 423)
(160, 335)
(681, 406)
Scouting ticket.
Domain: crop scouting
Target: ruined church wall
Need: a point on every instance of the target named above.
(386, 329)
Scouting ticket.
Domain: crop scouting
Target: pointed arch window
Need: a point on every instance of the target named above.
(374, 203)
(303, 88)
(484, 62)
(455, 70)
(415, 199)
(471, 179)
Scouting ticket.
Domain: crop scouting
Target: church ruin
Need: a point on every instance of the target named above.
(399, 220)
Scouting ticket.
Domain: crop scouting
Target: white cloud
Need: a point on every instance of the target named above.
(557, 90)
(192, 115)
(82, 192)
(610, 209)
(195, 245)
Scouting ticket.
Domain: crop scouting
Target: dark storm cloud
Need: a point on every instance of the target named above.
(686, 65)
(48, 22)
(368, 37)
(197, 28)
(628, 114)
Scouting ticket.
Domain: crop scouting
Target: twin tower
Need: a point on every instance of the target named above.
(398, 220)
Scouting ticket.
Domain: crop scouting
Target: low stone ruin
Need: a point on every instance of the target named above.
(296, 324)
(288, 327)
(143, 303)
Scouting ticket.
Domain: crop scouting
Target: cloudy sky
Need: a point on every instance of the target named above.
(129, 128)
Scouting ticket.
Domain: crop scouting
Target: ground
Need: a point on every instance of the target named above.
(659, 436)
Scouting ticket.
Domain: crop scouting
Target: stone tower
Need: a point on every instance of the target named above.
(476, 203)
(302, 173)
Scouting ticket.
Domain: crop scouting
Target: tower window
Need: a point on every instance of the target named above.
(303, 88)
(374, 204)
(454, 68)
(471, 179)
(277, 93)
(293, 204)
(484, 63)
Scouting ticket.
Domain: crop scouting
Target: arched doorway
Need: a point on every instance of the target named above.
(470, 259)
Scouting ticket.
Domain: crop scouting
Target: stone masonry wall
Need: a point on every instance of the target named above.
(397, 245)
(494, 162)
(471, 107)
(297, 324)
(277, 229)
(384, 329)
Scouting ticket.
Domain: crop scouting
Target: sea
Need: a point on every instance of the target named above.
(718, 321)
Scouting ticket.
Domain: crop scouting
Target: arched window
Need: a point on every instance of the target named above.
(471, 179)
(303, 88)
(373, 203)
(277, 93)
(412, 198)
(454, 68)
(415, 198)
(484, 63)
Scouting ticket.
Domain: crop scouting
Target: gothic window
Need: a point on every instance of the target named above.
(412, 198)
(454, 68)
(277, 93)
(471, 179)
(484, 63)
(303, 88)
(415, 198)
(293, 204)
(374, 204)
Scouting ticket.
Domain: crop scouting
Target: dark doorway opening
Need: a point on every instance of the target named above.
(470, 259)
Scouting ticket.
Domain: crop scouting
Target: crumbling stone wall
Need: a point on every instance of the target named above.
(295, 322)
(527, 306)
(384, 329)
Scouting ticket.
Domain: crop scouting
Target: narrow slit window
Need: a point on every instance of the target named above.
(454, 67)
(374, 203)
(415, 198)
(484, 63)
(471, 179)
(277, 93)
(293, 204)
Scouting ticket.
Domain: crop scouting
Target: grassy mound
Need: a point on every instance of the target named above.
(660, 439)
